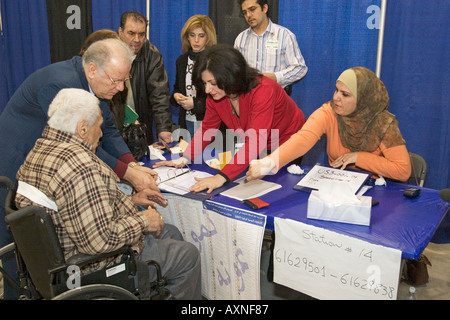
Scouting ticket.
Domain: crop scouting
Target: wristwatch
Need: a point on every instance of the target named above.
(133, 164)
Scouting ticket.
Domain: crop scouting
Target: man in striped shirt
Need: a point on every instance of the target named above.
(268, 47)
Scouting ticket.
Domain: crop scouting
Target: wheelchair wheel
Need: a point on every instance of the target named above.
(97, 292)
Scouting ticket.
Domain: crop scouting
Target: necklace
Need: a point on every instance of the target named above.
(235, 105)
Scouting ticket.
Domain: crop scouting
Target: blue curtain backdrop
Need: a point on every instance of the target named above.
(333, 35)
(416, 71)
(24, 43)
(106, 13)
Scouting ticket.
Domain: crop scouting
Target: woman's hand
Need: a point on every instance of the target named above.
(209, 183)
(187, 103)
(260, 168)
(177, 163)
(345, 160)
(148, 198)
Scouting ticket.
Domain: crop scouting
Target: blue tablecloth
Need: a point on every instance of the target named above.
(397, 222)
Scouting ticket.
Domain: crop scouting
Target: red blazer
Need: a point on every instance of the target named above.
(268, 117)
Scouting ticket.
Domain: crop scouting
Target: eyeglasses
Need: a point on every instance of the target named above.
(116, 82)
(249, 10)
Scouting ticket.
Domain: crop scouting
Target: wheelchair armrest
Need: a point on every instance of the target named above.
(7, 250)
(82, 259)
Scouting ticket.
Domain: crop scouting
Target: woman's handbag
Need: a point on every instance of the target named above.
(135, 137)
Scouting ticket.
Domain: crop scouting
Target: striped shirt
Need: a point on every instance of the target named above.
(93, 216)
(275, 51)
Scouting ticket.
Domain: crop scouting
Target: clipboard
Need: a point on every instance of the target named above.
(209, 196)
(167, 173)
(357, 179)
(179, 182)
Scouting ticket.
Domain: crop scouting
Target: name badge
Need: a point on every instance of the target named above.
(272, 44)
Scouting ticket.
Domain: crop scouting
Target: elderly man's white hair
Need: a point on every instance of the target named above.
(101, 52)
(70, 106)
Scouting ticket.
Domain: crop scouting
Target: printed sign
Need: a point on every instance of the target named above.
(229, 241)
(328, 265)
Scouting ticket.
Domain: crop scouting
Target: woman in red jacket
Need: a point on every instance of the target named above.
(254, 106)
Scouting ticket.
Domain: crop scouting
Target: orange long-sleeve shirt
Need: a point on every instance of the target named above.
(393, 163)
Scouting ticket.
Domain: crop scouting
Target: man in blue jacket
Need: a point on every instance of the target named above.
(102, 71)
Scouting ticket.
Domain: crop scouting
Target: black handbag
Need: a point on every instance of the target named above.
(135, 137)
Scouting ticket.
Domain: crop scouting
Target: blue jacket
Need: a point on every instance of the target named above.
(25, 116)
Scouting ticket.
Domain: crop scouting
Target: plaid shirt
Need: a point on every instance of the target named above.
(93, 216)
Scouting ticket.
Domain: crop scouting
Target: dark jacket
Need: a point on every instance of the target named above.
(25, 116)
(180, 87)
(151, 91)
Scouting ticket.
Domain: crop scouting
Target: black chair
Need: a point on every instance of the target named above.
(419, 169)
(44, 273)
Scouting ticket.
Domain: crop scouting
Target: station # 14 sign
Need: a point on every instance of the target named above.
(328, 265)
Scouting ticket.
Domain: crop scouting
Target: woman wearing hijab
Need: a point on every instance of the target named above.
(197, 34)
(360, 132)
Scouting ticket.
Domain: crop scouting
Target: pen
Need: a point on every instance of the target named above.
(165, 145)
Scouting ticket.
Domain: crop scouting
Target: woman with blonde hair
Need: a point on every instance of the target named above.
(197, 34)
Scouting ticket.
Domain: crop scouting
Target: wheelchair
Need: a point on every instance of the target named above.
(44, 273)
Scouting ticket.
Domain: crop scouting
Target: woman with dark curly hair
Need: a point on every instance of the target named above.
(254, 106)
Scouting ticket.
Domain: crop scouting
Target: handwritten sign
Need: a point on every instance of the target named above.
(328, 265)
(319, 173)
(229, 241)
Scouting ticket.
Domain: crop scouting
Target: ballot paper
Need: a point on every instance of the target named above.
(317, 174)
(181, 183)
(156, 154)
(251, 189)
(180, 147)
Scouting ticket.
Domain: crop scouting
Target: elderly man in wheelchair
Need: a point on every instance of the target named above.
(76, 234)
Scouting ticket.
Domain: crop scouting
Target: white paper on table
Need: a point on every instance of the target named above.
(155, 154)
(181, 184)
(320, 173)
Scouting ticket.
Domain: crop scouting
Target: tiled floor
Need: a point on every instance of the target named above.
(438, 287)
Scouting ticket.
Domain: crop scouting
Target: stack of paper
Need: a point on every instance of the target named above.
(181, 183)
(251, 189)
